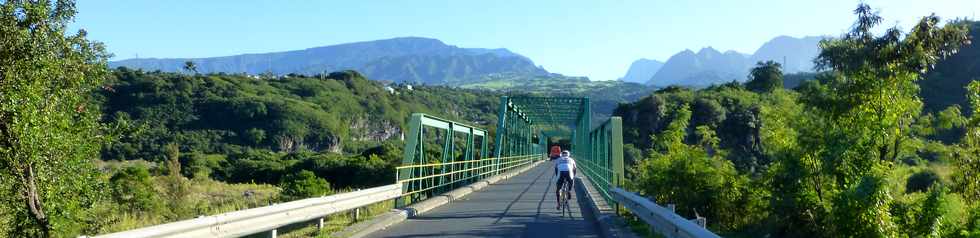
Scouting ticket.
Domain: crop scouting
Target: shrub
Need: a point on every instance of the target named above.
(202, 165)
(632, 155)
(303, 184)
(921, 181)
(255, 136)
(934, 151)
(863, 210)
(912, 161)
(132, 188)
(972, 227)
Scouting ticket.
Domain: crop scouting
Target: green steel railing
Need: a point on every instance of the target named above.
(441, 155)
(474, 169)
(603, 161)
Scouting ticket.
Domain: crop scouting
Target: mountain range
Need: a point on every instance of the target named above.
(405, 59)
(430, 61)
(710, 66)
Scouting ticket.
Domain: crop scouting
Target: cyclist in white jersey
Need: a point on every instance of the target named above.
(565, 170)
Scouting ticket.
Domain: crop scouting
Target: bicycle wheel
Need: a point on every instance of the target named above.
(566, 196)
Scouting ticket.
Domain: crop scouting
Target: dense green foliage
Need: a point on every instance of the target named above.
(733, 113)
(49, 130)
(848, 154)
(712, 186)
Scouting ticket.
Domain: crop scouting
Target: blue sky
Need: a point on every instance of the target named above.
(598, 39)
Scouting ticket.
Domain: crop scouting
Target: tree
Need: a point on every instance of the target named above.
(765, 77)
(190, 66)
(968, 162)
(873, 89)
(49, 130)
(861, 115)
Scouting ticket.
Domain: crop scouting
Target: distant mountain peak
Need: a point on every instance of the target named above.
(642, 70)
(795, 54)
(708, 51)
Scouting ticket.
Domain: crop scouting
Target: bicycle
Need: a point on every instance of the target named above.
(563, 197)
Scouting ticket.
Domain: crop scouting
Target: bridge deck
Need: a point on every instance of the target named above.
(522, 206)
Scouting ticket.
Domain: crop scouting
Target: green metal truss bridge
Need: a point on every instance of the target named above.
(459, 180)
(525, 125)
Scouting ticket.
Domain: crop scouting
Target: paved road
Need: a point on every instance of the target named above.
(522, 206)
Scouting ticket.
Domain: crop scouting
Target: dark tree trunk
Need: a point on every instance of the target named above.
(34, 203)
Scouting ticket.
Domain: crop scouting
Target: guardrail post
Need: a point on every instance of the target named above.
(319, 224)
(272, 233)
(355, 214)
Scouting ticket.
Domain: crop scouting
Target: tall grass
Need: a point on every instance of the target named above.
(206, 197)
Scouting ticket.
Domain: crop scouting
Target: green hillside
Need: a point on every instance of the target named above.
(219, 112)
(604, 95)
(945, 85)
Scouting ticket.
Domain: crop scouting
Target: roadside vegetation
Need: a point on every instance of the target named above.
(850, 153)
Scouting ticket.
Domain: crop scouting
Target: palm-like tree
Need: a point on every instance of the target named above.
(190, 66)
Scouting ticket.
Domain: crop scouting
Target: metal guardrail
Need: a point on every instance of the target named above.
(268, 218)
(660, 219)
